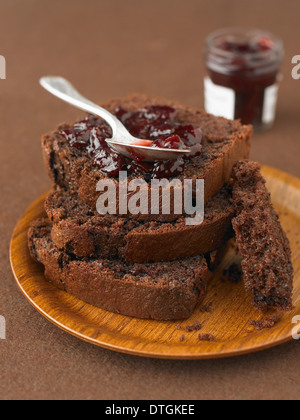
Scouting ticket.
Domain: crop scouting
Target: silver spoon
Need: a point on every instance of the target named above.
(122, 141)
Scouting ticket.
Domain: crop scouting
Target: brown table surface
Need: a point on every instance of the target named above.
(111, 48)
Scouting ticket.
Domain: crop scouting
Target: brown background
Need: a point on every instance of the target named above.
(110, 48)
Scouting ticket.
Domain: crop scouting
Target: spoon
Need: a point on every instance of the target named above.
(122, 141)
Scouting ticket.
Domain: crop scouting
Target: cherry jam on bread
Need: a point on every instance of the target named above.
(157, 124)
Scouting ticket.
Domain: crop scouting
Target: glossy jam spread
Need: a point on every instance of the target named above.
(157, 124)
(246, 63)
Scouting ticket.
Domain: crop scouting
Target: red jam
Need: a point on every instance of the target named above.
(245, 64)
(159, 124)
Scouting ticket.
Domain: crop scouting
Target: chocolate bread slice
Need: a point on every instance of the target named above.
(224, 143)
(265, 249)
(78, 229)
(162, 291)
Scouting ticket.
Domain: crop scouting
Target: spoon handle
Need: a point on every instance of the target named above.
(64, 90)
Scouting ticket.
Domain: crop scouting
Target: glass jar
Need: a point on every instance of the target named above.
(243, 75)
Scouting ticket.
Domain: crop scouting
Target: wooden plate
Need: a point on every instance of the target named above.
(231, 304)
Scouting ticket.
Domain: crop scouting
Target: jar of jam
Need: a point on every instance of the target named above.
(243, 69)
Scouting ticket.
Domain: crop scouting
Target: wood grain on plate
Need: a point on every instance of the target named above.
(231, 304)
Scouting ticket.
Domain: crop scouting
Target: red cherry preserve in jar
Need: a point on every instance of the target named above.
(243, 69)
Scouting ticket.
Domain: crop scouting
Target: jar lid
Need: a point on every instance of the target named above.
(239, 49)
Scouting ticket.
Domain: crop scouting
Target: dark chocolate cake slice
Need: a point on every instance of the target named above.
(67, 150)
(162, 291)
(264, 246)
(80, 230)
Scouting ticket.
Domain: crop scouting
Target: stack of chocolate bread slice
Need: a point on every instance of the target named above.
(155, 266)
